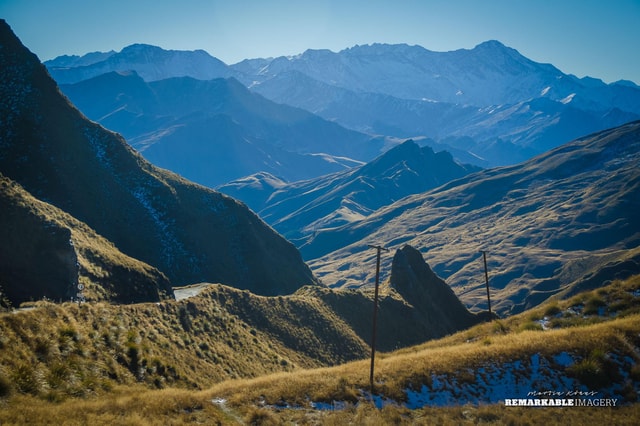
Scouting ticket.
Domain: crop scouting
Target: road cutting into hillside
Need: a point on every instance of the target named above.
(189, 291)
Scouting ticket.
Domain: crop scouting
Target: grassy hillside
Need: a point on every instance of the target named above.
(66, 350)
(588, 343)
(219, 334)
(564, 219)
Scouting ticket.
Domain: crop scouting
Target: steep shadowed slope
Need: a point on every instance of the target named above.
(46, 253)
(188, 232)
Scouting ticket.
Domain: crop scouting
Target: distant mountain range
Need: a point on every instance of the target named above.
(73, 192)
(562, 221)
(488, 105)
(151, 62)
(215, 131)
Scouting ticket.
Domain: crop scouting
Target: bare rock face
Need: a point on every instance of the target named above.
(433, 299)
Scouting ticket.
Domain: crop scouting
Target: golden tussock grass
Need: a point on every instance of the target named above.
(133, 405)
(178, 407)
(53, 346)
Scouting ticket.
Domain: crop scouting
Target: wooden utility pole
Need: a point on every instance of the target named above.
(486, 280)
(375, 313)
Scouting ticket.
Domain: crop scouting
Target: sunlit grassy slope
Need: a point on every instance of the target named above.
(65, 350)
(567, 218)
(57, 365)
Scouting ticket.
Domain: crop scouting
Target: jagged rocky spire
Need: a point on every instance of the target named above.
(414, 280)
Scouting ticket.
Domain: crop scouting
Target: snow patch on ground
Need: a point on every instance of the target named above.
(530, 378)
(495, 383)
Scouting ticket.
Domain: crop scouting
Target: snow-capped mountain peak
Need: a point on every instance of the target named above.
(150, 62)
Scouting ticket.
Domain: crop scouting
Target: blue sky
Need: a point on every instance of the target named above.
(582, 37)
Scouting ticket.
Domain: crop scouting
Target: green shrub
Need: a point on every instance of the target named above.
(58, 375)
(594, 371)
(185, 319)
(634, 374)
(589, 372)
(68, 332)
(42, 348)
(499, 327)
(133, 352)
(629, 393)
